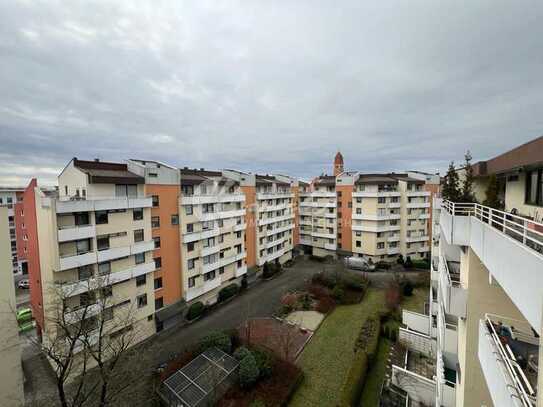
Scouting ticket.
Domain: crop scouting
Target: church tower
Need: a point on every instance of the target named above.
(338, 164)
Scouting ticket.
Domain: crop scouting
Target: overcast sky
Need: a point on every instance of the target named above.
(266, 86)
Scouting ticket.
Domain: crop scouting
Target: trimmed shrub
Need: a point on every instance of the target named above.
(400, 260)
(353, 386)
(264, 363)
(248, 371)
(241, 352)
(244, 282)
(195, 310)
(269, 270)
(408, 289)
(421, 264)
(338, 293)
(305, 301)
(325, 305)
(228, 292)
(219, 339)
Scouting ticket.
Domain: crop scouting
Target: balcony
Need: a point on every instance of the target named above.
(417, 193)
(393, 238)
(272, 256)
(412, 205)
(274, 195)
(509, 246)
(124, 251)
(70, 233)
(75, 288)
(216, 198)
(240, 271)
(417, 238)
(269, 208)
(89, 205)
(508, 353)
(375, 194)
(324, 235)
(306, 241)
(77, 260)
(415, 375)
(453, 295)
(375, 228)
(275, 219)
(204, 217)
(376, 217)
(393, 250)
(205, 287)
(330, 246)
(319, 194)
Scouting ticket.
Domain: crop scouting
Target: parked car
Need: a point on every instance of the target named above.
(24, 284)
(24, 315)
(359, 263)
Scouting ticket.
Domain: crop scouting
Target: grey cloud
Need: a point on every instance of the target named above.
(266, 86)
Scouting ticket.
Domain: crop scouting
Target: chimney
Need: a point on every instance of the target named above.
(96, 160)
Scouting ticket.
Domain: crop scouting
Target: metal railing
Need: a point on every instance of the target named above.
(523, 230)
(522, 385)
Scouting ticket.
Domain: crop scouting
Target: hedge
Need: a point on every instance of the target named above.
(365, 350)
(248, 371)
(195, 310)
(228, 292)
(217, 339)
(421, 264)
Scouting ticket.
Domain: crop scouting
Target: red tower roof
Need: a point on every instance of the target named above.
(338, 164)
(338, 159)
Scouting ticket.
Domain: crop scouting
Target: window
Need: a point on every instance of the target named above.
(358, 234)
(139, 258)
(155, 200)
(209, 276)
(107, 314)
(102, 242)
(190, 246)
(358, 243)
(141, 300)
(104, 268)
(192, 282)
(81, 219)
(221, 270)
(188, 210)
(358, 211)
(84, 272)
(81, 246)
(190, 264)
(158, 283)
(175, 220)
(137, 214)
(190, 227)
(138, 235)
(126, 190)
(339, 194)
(381, 245)
(187, 190)
(101, 217)
(208, 208)
(381, 200)
(159, 303)
(107, 291)
(157, 242)
(155, 221)
(141, 280)
(350, 204)
(358, 200)
(534, 187)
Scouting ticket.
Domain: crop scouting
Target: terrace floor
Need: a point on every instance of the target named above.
(421, 365)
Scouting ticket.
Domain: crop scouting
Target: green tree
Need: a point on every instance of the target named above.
(451, 190)
(467, 185)
(492, 198)
(248, 371)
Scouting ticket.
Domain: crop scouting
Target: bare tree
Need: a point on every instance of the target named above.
(286, 337)
(86, 341)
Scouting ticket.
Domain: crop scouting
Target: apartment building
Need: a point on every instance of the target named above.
(11, 198)
(479, 344)
(212, 228)
(270, 214)
(319, 216)
(95, 232)
(163, 186)
(11, 373)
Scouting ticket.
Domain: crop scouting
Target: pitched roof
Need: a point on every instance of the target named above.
(101, 172)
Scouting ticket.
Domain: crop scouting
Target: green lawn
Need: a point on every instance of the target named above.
(376, 376)
(416, 302)
(326, 360)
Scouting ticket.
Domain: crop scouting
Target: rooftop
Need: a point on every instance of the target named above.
(101, 172)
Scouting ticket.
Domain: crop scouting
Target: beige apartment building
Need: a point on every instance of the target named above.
(212, 225)
(480, 341)
(11, 372)
(318, 216)
(91, 244)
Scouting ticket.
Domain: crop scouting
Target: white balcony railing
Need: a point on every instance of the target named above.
(70, 233)
(453, 296)
(507, 381)
(98, 204)
(509, 246)
(216, 198)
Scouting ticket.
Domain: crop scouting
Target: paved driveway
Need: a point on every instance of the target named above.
(261, 300)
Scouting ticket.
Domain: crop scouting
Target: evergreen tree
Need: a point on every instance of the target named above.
(492, 198)
(467, 185)
(451, 190)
